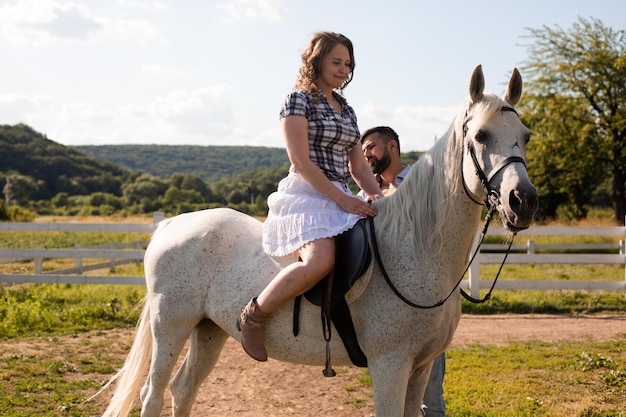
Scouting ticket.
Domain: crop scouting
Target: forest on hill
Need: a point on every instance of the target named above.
(39, 176)
(48, 168)
(211, 163)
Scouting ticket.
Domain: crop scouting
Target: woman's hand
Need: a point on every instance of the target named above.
(355, 205)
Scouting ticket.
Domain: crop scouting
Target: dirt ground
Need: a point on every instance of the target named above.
(242, 387)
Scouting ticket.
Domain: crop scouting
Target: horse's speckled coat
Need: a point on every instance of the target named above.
(201, 269)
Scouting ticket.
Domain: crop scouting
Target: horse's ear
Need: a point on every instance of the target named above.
(477, 84)
(514, 90)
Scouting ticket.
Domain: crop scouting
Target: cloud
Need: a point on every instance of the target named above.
(135, 31)
(198, 112)
(201, 116)
(417, 126)
(163, 71)
(34, 22)
(235, 11)
(68, 22)
(143, 4)
(13, 107)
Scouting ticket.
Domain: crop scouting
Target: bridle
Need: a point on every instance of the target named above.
(491, 202)
(492, 197)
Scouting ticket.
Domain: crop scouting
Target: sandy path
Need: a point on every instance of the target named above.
(241, 387)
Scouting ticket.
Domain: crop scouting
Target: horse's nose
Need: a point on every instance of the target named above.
(523, 202)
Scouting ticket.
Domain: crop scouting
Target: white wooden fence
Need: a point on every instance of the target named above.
(522, 253)
(114, 254)
(577, 254)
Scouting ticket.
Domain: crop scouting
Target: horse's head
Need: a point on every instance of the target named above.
(494, 153)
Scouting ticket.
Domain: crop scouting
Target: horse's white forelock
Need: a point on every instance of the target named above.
(424, 199)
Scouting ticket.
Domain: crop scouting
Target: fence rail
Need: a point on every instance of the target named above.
(542, 254)
(114, 254)
(613, 253)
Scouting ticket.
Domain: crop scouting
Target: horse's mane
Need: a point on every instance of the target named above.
(425, 197)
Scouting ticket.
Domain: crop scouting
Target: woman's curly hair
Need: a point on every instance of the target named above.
(319, 46)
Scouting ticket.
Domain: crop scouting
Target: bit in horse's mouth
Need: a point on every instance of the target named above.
(511, 227)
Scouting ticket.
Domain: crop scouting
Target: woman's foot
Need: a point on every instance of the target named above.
(250, 323)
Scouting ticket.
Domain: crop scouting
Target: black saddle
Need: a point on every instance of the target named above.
(352, 258)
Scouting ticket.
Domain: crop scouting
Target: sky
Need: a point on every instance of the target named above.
(215, 72)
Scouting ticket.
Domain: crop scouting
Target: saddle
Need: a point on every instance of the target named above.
(352, 258)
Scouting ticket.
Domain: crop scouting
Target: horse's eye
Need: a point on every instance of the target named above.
(481, 136)
(527, 137)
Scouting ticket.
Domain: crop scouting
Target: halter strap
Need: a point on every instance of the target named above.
(508, 108)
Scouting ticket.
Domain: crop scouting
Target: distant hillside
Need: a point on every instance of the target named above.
(47, 177)
(53, 167)
(211, 163)
(35, 168)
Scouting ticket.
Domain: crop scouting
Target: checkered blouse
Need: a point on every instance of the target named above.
(331, 135)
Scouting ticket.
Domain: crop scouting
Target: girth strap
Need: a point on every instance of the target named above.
(340, 314)
(342, 319)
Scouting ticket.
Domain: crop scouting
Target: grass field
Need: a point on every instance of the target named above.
(53, 375)
(55, 351)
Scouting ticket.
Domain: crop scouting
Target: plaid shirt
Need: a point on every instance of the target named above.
(331, 135)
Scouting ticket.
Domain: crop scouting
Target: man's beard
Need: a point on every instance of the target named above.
(380, 165)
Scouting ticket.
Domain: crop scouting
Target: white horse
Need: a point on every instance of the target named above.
(202, 268)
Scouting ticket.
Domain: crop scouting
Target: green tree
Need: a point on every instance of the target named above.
(60, 200)
(144, 191)
(178, 200)
(191, 182)
(581, 70)
(4, 214)
(18, 189)
(104, 199)
(561, 162)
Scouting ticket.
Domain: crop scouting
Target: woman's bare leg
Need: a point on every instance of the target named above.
(318, 259)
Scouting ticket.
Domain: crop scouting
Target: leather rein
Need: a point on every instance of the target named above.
(491, 202)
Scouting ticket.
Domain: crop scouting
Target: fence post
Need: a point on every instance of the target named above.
(474, 277)
(38, 266)
(157, 216)
(530, 246)
(79, 261)
(111, 260)
(622, 251)
(474, 270)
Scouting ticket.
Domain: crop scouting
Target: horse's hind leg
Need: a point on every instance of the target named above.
(167, 343)
(205, 346)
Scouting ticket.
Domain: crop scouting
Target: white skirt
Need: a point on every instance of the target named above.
(298, 214)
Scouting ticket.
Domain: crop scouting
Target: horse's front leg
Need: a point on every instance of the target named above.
(390, 374)
(415, 390)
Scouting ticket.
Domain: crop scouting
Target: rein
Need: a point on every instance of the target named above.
(492, 201)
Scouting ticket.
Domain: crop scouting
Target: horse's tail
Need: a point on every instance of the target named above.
(129, 379)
